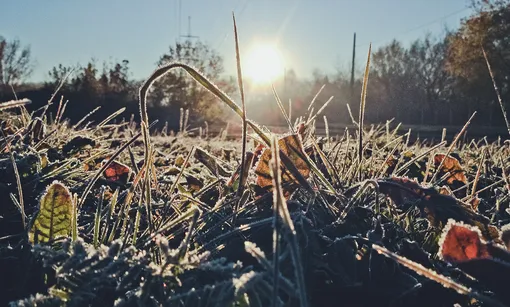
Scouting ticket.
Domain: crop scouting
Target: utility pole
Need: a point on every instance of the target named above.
(352, 70)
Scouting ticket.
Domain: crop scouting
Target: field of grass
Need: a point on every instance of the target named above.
(116, 214)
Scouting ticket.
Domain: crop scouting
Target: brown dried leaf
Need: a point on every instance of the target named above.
(451, 165)
(291, 146)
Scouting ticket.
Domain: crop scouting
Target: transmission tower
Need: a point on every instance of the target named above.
(188, 37)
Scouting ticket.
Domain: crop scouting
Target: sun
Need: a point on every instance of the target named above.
(264, 64)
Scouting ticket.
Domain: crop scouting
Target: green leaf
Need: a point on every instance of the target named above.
(55, 214)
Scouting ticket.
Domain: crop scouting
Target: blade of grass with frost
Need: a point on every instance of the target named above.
(59, 109)
(109, 118)
(282, 109)
(281, 206)
(274, 165)
(106, 164)
(315, 97)
(14, 103)
(312, 118)
(50, 101)
(243, 172)
(384, 166)
(161, 71)
(25, 117)
(418, 157)
(478, 172)
(97, 218)
(183, 248)
(18, 182)
(132, 159)
(169, 225)
(137, 218)
(362, 107)
(235, 231)
(124, 217)
(62, 112)
(290, 110)
(350, 115)
(174, 185)
(329, 167)
(85, 117)
(388, 144)
(326, 127)
(309, 116)
(359, 192)
(497, 91)
(346, 138)
(452, 145)
(147, 185)
(60, 84)
(111, 213)
(74, 218)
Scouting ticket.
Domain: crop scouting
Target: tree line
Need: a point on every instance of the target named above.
(433, 81)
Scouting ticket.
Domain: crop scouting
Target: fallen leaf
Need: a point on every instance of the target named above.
(117, 172)
(194, 184)
(460, 242)
(291, 146)
(179, 161)
(451, 165)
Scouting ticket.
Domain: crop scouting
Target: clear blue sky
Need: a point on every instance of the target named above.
(311, 33)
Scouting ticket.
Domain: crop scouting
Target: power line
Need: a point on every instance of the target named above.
(238, 15)
(420, 26)
(180, 12)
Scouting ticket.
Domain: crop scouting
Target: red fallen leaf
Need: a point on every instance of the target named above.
(451, 165)
(117, 172)
(460, 242)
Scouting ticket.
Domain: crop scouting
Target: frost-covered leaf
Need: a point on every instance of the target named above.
(461, 242)
(292, 147)
(55, 214)
(450, 165)
(117, 172)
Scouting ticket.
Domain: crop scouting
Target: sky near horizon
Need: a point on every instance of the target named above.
(310, 34)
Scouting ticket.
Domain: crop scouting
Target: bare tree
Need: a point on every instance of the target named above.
(15, 62)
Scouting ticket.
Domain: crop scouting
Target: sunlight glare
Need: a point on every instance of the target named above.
(264, 64)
